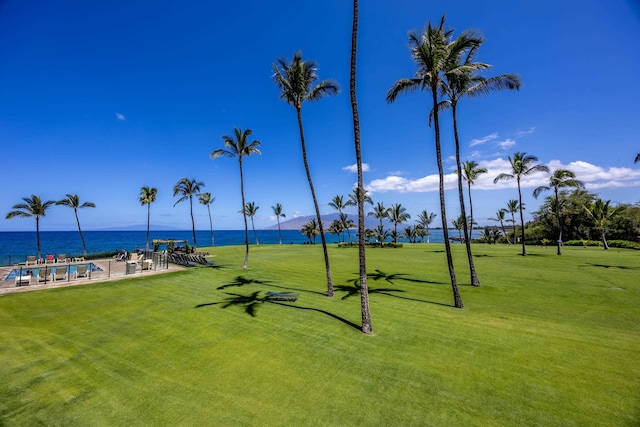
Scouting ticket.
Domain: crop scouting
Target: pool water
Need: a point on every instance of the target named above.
(34, 270)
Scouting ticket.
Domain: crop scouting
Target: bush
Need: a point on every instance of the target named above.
(623, 244)
(584, 243)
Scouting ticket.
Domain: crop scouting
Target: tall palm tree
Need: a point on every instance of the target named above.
(460, 81)
(425, 219)
(239, 146)
(364, 290)
(147, 196)
(501, 219)
(207, 200)
(521, 165)
(298, 81)
(338, 204)
(512, 207)
(251, 209)
(73, 201)
(470, 172)
(430, 51)
(397, 215)
(380, 212)
(560, 178)
(601, 213)
(277, 210)
(188, 188)
(32, 206)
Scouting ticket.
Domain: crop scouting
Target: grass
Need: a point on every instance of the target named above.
(546, 340)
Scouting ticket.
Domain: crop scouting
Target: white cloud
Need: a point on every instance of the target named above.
(506, 144)
(525, 132)
(482, 140)
(354, 168)
(120, 116)
(594, 177)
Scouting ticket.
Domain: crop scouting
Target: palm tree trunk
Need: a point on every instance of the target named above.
(513, 224)
(364, 289)
(467, 234)
(457, 300)
(604, 240)
(193, 224)
(559, 241)
(279, 233)
(244, 216)
(38, 236)
(84, 247)
(148, 222)
(210, 225)
(524, 250)
(254, 231)
(315, 205)
(504, 231)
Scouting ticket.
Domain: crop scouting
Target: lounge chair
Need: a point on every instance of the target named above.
(24, 279)
(49, 259)
(59, 273)
(44, 274)
(62, 258)
(147, 264)
(31, 260)
(82, 271)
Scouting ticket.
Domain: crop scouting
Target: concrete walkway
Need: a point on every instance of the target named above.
(111, 270)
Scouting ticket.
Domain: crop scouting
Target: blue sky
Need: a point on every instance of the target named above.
(101, 98)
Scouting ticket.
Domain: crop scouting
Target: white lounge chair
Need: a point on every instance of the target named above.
(44, 274)
(24, 279)
(82, 271)
(59, 273)
(31, 260)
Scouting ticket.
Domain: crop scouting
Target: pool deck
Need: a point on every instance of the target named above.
(111, 271)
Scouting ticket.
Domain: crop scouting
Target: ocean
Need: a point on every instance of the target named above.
(16, 246)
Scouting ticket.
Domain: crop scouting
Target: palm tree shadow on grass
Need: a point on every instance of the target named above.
(252, 301)
(381, 275)
(242, 281)
(621, 267)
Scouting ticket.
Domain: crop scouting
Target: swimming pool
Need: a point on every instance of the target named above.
(33, 271)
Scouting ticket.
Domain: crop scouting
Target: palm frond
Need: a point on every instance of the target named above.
(503, 177)
(322, 89)
(405, 85)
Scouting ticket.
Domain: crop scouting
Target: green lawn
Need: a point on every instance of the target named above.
(546, 340)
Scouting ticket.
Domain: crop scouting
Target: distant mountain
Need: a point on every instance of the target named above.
(298, 222)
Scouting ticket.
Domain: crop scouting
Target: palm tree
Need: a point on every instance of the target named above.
(338, 204)
(364, 290)
(460, 81)
(601, 213)
(297, 80)
(277, 210)
(561, 178)
(188, 188)
(251, 209)
(425, 219)
(512, 207)
(521, 165)
(335, 228)
(470, 172)
(207, 200)
(32, 206)
(311, 230)
(500, 218)
(73, 201)
(430, 51)
(354, 198)
(239, 146)
(458, 224)
(380, 212)
(147, 196)
(346, 225)
(381, 234)
(397, 215)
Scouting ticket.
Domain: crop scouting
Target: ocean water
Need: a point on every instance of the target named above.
(16, 246)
